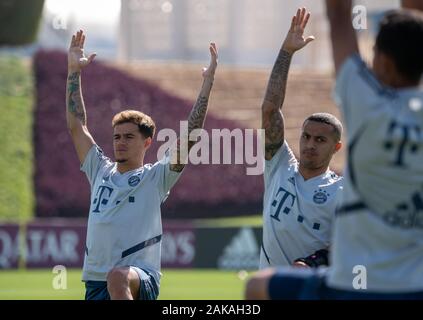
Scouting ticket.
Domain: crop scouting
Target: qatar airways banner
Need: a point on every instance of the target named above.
(178, 246)
(51, 243)
(9, 246)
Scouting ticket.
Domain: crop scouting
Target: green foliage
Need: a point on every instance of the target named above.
(19, 21)
(16, 156)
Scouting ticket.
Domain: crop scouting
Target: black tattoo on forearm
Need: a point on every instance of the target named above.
(180, 163)
(198, 114)
(271, 149)
(273, 122)
(75, 103)
(275, 92)
(195, 120)
(274, 130)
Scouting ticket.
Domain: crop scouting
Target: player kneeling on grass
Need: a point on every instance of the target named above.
(123, 247)
(377, 245)
(300, 196)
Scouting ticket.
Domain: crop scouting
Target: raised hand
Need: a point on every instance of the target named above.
(198, 113)
(295, 38)
(76, 57)
(209, 72)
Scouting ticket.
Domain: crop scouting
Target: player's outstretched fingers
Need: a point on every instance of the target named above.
(305, 21)
(73, 41)
(81, 45)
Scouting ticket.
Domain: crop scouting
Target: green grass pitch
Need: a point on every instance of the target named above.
(190, 284)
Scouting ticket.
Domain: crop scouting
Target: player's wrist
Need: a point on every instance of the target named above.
(317, 259)
(208, 77)
(288, 49)
(72, 70)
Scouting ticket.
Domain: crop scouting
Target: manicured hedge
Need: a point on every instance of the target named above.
(62, 189)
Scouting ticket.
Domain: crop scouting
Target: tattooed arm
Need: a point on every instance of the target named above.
(272, 118)
(76, 115)
(198, 113)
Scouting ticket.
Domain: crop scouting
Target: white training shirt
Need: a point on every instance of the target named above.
(380, 223)
(297, 213)
(124, 223)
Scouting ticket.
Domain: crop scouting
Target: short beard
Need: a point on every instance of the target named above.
(309, 165)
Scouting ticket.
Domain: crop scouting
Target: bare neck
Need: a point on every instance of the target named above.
(123, 167)
(311, 173)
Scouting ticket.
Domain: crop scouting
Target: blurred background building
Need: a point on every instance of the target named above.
(248, 32)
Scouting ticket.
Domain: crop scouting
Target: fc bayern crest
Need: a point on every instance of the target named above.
(133, 181)
(320, 196)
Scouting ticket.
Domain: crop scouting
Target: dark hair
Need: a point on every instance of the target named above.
(329, 119)
(401, 37)
(144, 122)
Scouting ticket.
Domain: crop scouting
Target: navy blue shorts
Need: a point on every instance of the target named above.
(309, 284)
(149, 290)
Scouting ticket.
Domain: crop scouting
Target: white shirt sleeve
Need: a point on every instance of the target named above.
(358, 93)
(93, 162)
(165, 178)
(284, 157)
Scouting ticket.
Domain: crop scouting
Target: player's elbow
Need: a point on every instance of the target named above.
(71, 125)
(71, 129)
(268, 108)
(75, 129)
(75, 124)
